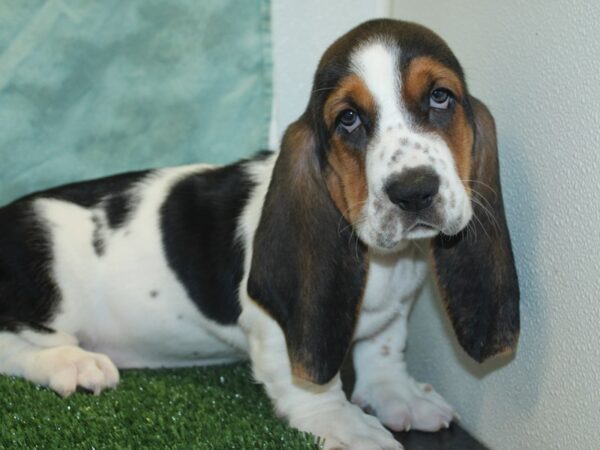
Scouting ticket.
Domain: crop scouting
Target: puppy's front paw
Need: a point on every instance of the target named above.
(403, 404)
(64, 368)
(344, 426)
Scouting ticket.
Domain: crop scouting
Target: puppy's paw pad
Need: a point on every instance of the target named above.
(65, 368)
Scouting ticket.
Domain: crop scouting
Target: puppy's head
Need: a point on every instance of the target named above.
(391, 148)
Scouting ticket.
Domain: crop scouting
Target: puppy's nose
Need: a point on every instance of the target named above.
(414, 189)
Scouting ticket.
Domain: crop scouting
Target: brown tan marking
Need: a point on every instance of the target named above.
(349, 87)
(425, 74)
(346, 179)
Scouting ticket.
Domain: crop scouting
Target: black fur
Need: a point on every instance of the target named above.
(28, 294)
(97, 238)
(199, 220)
(117, 209)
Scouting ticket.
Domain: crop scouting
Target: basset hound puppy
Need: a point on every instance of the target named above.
(297, 259)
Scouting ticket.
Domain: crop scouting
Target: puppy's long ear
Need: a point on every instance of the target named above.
(308, 271)
(476, 270)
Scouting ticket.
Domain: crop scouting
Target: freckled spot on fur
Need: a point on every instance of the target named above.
(426, 150)
(396, 156)
(404, 141)
(127, 233)
(452, 200)
(179, 316)
(417, 146)
(195, 353)
(385, 350)
(427, 387)
(431, 159)
(154, 293)
(400, 125)
(389, 128)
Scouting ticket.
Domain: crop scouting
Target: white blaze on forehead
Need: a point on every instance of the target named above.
(376, 63)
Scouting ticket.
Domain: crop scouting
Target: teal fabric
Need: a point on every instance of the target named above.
(90, 88)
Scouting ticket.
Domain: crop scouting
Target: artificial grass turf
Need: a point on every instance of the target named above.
(217, 407)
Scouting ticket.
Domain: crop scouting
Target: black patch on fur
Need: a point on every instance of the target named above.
(97, 238)
(154, 293)
(28, 294)
(118, 208)
(199, 220)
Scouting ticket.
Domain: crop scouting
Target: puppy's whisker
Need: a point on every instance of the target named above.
(481, 225)
(489, 214)
(482, 184)
(347, 211)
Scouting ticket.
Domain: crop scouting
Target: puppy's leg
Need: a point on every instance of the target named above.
(53, 359)
(384, 386)
(321, 410)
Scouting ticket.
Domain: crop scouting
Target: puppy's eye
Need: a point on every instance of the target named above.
(349, 120)
(440, 98)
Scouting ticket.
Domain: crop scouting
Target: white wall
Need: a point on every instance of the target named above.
(536, 65)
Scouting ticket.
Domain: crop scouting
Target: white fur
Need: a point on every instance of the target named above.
(382, 382)
(106, 307)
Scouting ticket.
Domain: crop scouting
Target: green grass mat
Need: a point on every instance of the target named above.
(205, 408)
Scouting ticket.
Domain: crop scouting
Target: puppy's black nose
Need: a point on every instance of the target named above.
(414, 189)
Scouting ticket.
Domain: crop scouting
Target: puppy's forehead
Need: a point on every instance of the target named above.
(381, 52)
(411, 39)
(377, 62)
